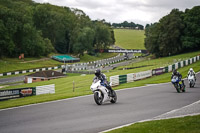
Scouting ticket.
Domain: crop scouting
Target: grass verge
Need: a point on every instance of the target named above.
(189, 124)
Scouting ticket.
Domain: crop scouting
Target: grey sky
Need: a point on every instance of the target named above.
(137, 11)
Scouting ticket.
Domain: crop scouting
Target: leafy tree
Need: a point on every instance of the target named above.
(191, 38)
(164, 38)
(84, 41)
(151, 40)
(171, 28)
(103, 38)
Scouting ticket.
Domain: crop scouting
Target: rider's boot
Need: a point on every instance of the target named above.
(110, 91)
(183, 84)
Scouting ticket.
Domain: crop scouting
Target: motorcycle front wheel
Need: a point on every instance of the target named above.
(190, 84)
(177, 88)
(98, 99)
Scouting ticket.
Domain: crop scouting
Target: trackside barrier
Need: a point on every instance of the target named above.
(31, 70)
(17, 93)
(46, 89)
(114, 80)
(158, 71)
(180, 64)
(131, 77)
(122, 79)
(24, 92)
(142, 75)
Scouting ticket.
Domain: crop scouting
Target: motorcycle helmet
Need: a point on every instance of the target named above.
(174, 72)
(97, 72)
(191, 70)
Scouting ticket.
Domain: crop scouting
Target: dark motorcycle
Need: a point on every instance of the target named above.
(178, 84)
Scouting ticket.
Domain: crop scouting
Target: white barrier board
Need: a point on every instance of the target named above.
(46, 89)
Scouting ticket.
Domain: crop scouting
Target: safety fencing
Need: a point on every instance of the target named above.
(24, 92)
(181, 64)
(131, 77)
(29, 71)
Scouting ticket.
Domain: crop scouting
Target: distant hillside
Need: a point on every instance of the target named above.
(129, 39)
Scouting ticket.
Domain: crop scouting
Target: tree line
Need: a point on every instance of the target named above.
(39, 29)
(175, 33)
(130, 25)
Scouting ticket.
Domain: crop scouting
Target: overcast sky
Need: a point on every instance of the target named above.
(117, 11)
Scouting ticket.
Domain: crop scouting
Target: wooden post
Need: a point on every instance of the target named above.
(73, 86)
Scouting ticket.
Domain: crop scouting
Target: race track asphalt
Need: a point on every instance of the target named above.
(82, 115)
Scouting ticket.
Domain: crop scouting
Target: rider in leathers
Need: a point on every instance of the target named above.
(176, 73)
(191, 71)
(104, 82)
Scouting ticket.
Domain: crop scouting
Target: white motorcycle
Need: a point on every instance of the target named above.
(191, 80)
(101, 93)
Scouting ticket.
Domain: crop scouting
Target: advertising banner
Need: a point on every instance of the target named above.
(158, 71)
(17, 93)
(121, 51)
(9, 94)
(142, 75)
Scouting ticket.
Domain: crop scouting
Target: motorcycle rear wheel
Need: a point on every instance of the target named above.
(183, 89)
(114, 99)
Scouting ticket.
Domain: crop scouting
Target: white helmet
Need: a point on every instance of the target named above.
(191, 69)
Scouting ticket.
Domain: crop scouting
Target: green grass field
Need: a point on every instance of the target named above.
(129, 39)
(189, 124)
(64, 86)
